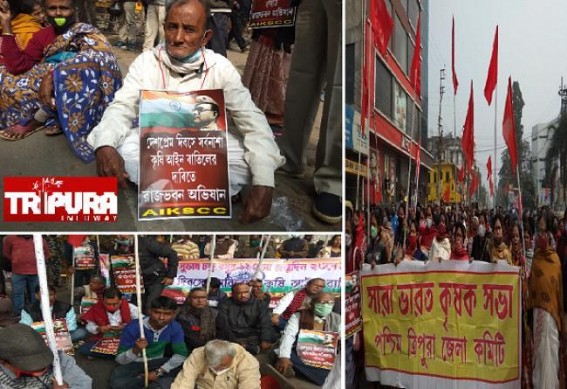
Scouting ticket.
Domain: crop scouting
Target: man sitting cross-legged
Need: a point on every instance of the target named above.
(245, 320)
(109, 316)
(160, 332)
(197, 319)
(219, 364)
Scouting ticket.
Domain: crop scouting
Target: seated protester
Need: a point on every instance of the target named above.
(245, 321)
(253, 248)
(458, 248)
(294, 247)
(16, 20)
(62, 81)
(258, 293)
(38, 14)
(160, 332)
(60, 310)
(216, 295)
(318, 317)
(224, 248)
(182, 64)
(93, 290)
(495, 248)
(219, 364)
(109, 315)
(197, 319)
(294, 301)
(441, 245)
(25, 362)
(186, 249)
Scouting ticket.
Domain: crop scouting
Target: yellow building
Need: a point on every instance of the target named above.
(448, 178)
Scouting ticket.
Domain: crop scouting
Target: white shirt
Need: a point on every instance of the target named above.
(114, 319)
(148, 72)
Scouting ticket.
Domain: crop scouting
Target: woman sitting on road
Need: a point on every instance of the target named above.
(22, 25)
(62, 81)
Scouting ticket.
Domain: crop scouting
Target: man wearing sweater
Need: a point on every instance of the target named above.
(160, 331)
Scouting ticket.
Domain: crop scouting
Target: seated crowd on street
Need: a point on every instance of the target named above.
(213, 336)
(535, 241)
(60, 75)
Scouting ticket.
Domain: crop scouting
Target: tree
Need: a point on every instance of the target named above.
(505, 176)
(557, 151)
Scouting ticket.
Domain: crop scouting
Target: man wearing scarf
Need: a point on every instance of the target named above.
(197, 319)
(183, 64)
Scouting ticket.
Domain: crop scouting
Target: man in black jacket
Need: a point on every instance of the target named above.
(197, 319)
(245, 320)
(158, 263)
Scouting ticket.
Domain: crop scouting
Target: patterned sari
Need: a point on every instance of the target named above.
(85, 74)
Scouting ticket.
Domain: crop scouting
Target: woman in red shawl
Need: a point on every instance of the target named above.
(458, 248)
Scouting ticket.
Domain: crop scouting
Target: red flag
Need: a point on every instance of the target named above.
(455, 81)
(447, 193)
(76, 240)
(415, 71)
(382, 24)
(467, 141)
(509, 129)
(492, 77)
(461, 176)
(474, 184)
(489, 175)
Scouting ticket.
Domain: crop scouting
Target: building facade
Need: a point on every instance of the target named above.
(379, 158)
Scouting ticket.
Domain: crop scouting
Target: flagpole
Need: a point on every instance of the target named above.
(140, 308)
(44, 305)
(520, 210)
(495, 146)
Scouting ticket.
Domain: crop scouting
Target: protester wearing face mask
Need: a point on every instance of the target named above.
(219, 365)
(182, 64)
(429, 232)
(319, 317)
(546, 299)
(479, 242)
(109, 315)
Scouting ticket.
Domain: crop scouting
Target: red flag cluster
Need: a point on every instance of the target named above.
(382, 24)
(489, 175)
(467, 141)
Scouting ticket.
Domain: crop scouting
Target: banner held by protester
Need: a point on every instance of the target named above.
(184, 163)
(427, 325)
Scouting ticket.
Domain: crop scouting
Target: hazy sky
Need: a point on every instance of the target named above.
(532, 50)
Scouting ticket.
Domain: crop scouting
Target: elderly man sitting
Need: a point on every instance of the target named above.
(182, 64)
(26, 362)
(245, 320)
(219, 364)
